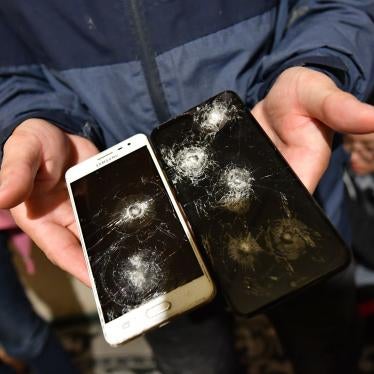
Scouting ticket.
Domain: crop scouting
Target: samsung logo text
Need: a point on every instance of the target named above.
(109, 159)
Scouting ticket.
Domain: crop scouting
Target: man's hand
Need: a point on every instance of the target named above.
(300, 114)
(36, 157)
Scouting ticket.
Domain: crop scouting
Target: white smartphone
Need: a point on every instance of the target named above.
(143, 262)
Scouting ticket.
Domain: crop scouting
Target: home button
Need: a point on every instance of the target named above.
(158, 309)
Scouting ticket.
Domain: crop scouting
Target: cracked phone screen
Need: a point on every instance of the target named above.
(262, 234)
(137, 247)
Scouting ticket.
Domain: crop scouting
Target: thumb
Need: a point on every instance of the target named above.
(339, 110)
(21, 161)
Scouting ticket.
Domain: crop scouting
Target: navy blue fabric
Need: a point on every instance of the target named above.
(173, 23)
(330, 65)
(86, 33)
(329, 29)
(32, 92)
(331, 194)
(17, 52)
(79, 33)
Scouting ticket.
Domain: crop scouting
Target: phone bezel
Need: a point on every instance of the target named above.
(183, 298)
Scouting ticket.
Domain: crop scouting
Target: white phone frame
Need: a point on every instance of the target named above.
(162, 308)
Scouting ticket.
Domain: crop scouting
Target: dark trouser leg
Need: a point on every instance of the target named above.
(199, 343)
(319, 328)
(4, 369)
(23, 334)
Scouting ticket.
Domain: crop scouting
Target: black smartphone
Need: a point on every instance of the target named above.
(261, 231)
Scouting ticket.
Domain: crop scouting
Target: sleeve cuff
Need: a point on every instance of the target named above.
(71, 124)
(329, 65)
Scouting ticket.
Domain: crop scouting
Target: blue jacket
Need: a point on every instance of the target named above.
(106, 70)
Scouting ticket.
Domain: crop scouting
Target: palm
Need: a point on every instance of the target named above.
(300, 122)
(303, 141)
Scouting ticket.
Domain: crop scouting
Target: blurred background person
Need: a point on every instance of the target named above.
(359, 181)
(24, 336)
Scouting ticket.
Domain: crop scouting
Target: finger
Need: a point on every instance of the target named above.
(81, 148)
(337, 109)
(21, 160)
(63, 249)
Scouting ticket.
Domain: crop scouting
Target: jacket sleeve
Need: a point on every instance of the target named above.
(333, 36)
(29, 90)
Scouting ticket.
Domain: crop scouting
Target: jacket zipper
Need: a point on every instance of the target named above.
(148, 61)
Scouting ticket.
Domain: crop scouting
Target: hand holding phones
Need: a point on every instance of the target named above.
(260, 231)
(143, 262)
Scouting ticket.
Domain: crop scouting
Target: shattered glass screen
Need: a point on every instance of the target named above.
(261, 232)
(136, 245)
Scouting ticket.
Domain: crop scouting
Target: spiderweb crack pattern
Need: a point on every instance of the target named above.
(133, 268)
(210, 118)
(227, 174)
